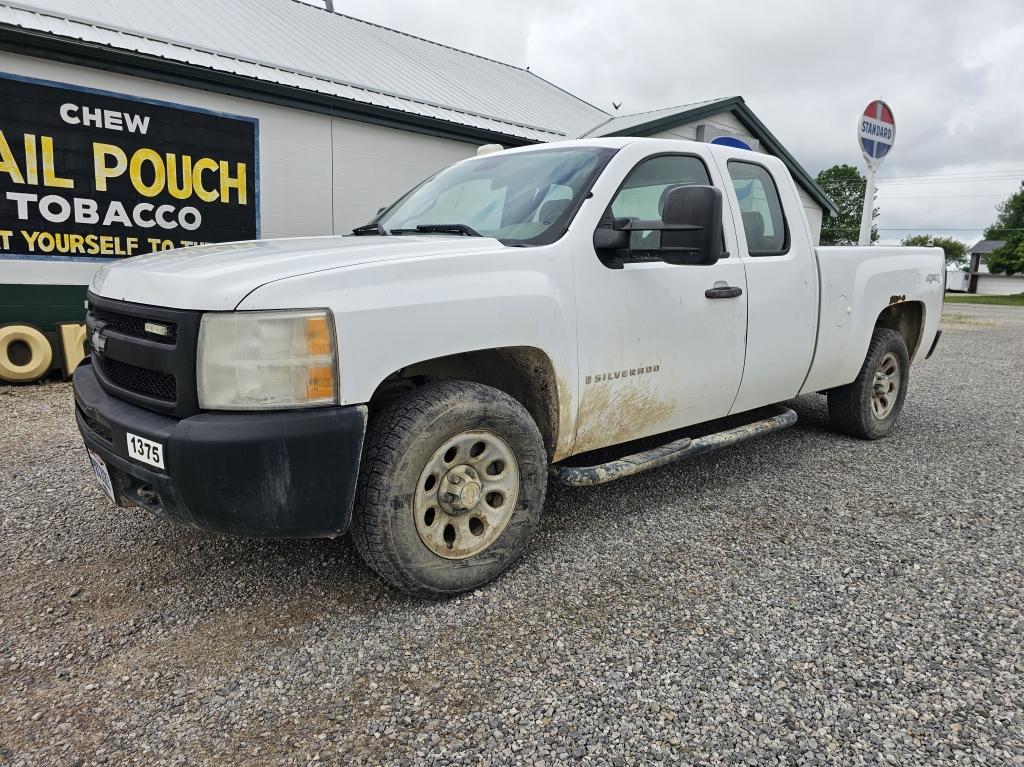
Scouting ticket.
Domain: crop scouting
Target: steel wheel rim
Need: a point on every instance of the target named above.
(885, 388)
(454, 520)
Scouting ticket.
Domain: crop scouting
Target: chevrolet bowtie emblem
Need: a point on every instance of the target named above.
(99, 341)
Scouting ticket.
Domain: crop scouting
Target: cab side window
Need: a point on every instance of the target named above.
(764, 223)
(642, 195)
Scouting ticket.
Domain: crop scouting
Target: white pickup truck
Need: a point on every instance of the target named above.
(416, 383)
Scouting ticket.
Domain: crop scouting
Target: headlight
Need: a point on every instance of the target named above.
(266, 360)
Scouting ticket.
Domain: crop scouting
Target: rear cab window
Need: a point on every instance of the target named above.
(764, 222)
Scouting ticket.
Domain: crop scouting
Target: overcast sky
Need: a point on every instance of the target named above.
(953, 73)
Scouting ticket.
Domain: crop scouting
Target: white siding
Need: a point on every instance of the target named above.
(727, 121)
(687, 132)
(814, 212)
(723, 120)
(373, 166)
(957, 281)
(1000, 284)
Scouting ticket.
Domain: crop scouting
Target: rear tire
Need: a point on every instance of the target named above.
(450, 489)
(870, 406)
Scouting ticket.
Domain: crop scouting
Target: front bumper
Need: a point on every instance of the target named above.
(280, 474)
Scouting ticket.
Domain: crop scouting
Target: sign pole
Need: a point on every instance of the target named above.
(869, 208)
(876, 132)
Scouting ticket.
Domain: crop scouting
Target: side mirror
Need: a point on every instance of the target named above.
(691, 225)
(612, 234)
(689, 231)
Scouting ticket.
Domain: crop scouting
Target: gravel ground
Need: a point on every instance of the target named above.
(803, 599)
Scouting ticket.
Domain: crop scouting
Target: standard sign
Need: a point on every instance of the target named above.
(877, 131)
(94, 174)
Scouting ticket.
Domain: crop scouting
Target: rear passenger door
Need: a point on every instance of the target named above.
(782, 279)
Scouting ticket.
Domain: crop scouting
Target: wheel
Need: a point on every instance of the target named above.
(450, 489)
(869, 407)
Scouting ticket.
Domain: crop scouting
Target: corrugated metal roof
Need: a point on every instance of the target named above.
(984, 247)
(291, 43)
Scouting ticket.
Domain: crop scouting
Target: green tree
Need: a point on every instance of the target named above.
(845, 185)
(1009, 226)
(955, 250)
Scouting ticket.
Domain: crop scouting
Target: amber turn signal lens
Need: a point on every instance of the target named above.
(320, 383)
(320, 378)
(318, 336)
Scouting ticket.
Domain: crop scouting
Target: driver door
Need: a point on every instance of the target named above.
(656, 353)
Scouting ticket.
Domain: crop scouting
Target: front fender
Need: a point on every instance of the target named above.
(391, 315)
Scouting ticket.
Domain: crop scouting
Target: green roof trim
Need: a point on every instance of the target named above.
(737, 106)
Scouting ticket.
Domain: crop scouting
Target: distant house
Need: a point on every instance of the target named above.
(984, 283)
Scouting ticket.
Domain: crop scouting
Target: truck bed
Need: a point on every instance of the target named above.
(858, 284)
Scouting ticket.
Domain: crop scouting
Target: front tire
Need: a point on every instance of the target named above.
(450, 490)
(870, 406)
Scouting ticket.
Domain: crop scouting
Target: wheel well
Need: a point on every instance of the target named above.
(523, 372)
(907, 319)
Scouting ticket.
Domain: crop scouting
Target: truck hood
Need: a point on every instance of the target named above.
(218, 277)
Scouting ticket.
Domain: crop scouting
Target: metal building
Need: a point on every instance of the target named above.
(984, 282)
(131, 127)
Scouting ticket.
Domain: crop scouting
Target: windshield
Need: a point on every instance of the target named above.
(525, 198)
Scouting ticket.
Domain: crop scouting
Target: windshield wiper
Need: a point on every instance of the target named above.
(370, 229)
(463, 229)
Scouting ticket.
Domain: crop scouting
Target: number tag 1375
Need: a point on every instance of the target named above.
(145, 450)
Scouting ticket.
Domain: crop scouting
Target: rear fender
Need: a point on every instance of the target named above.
(866, 288)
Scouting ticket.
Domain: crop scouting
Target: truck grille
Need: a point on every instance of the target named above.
(155, 370)
(133, 326)
(98, 428)
(149, 382)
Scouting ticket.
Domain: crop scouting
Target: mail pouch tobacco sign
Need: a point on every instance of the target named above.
(96, 175)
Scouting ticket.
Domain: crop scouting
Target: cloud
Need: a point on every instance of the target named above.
(952, 71)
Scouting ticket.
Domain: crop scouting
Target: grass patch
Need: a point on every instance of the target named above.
(1017, 299)
(952, 320)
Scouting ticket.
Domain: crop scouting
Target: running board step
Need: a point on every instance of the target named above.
(582, 476)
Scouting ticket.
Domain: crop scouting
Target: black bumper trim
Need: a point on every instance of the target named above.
(279, 474)
(935, 342)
